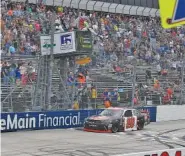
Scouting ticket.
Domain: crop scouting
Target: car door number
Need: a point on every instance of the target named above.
(130, 122)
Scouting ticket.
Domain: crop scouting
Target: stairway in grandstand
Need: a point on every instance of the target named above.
(60, 97)
(64, 96)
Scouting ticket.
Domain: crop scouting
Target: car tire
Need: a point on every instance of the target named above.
(140, 126)
(114, 129)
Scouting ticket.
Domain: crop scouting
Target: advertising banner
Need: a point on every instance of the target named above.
(84, 41)
(44, 120)
(63, 43)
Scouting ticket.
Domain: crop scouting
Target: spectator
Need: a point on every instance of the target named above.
(12, 75)
(156, 85)
(76, 104)
(135, 101)
(31, 72)
(4, 73)
(106, 94)
(164, 72)
(169, 92)
(18, 76)
(11, 50)
(23, 74)
(81, 79)
(148, 75)
(107, 103)
(114, 97)
(84, 100)
(166, 99)
(93, 96)
(70, 79)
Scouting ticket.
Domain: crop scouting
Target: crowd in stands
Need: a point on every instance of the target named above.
(17, 72)
(20, 30)
(116, 38)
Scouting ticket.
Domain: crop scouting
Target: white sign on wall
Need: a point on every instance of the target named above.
(43, 41)
(63, 43)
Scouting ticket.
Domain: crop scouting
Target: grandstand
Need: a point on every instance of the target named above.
(118, 39)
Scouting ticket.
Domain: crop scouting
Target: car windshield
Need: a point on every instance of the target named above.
(111, 112)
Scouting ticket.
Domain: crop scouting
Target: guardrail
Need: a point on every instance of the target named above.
(100, 6)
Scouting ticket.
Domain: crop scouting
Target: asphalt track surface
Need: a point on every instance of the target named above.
(71, 142)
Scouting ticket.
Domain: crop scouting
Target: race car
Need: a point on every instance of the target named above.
(115, 120)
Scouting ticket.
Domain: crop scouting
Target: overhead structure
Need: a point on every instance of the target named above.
(101, 6)
(68, 42)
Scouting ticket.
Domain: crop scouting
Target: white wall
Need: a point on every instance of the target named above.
(172, 112)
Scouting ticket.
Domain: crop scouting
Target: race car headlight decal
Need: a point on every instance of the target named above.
(85, 120)
(110, 126)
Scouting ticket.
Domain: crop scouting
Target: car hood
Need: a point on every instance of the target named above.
(98, 117)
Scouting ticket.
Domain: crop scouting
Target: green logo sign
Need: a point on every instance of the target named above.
(84, 41)
(49, 45)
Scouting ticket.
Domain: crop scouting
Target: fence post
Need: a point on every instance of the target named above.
(134, 84)
(51, 61)
(96, 95)
(182, 83)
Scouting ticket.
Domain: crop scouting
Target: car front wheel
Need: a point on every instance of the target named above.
(115, 129)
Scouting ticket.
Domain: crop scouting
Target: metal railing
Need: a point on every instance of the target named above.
(84, 97)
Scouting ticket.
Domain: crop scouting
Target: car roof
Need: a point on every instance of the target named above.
(119, 108)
